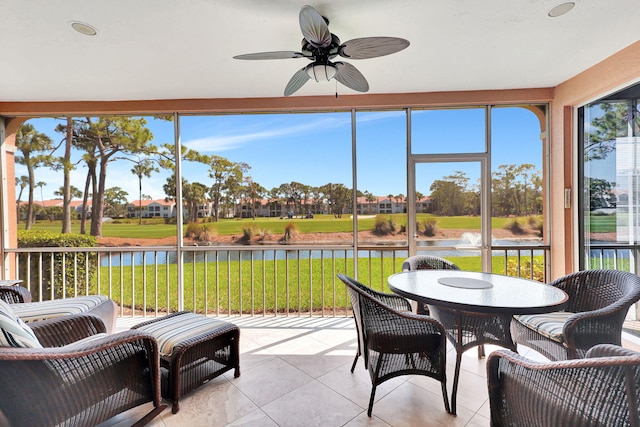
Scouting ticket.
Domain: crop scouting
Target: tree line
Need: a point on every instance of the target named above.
(103, 140)
(517, 189)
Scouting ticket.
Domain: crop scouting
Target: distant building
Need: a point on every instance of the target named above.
(158, 208)
(266, 208)
(76, 206)
(386, 205)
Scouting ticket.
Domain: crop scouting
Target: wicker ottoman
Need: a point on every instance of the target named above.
(193, 350)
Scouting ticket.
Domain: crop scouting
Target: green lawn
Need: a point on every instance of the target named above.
(221, 286)
(152, 228)
(227, 286)
(599, 223)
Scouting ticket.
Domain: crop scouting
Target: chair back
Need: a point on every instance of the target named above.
(355, 289)
(601, 390)
(427, 262)
(595, 289)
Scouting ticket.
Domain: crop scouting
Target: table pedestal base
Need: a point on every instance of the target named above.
(466, 329)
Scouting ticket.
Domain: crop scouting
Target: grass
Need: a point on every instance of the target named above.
(218, 286)
(602, 223)
(152, 228)
(226, 287)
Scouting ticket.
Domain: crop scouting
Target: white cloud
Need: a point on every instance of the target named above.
(217, 143)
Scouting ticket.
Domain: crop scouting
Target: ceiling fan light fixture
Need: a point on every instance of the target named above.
(561, 9)
(321, 46)
(321, 72)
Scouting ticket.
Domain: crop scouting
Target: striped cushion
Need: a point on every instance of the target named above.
(34, 311)
(549, 325)
(174, 330)
(85, 340)
(13, 331)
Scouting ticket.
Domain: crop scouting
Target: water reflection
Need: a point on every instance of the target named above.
(451, 248)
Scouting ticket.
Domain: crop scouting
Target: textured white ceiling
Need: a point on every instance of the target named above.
(168, 49)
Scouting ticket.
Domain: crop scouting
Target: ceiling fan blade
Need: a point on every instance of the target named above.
(371, 47)
(297, 81)
(349, 76)
(282, 54)
(314, 28)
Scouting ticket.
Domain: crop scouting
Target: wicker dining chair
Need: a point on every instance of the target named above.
(598, 304)
(80, 376)
(601, 390)
(426, 262)
(395, 301)
(396, 342)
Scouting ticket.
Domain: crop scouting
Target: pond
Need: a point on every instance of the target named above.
(457, 248)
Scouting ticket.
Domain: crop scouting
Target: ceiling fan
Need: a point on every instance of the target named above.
(321, 46)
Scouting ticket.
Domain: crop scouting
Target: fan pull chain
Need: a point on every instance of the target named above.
(336, 89)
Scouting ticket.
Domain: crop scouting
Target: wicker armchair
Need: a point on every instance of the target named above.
(427, 262)
(395, 301)
(397, 343)
(598, 303)
(75, 381)
(14, 294)
(601, 390)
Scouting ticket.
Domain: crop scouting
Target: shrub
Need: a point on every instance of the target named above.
(384, 226)
(290, 232)
(535, 224)
(207, 233)
(200, 232)
(264, 234)
(193, 230)
(514, 226)
(525, 269)
(248, 231)
(59, 272)
(428, 226)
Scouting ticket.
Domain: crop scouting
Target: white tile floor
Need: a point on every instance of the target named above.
(295, 371)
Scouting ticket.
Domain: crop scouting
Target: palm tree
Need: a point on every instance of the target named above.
(75, 192)
(67, 166)
(142, 168)
(419, 197)
(23, 182)
(399, 199)
(41, 184)
(32, 147)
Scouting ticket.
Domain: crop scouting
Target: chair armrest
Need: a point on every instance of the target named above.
(562, 393)
(64, 330)
(610, 350)
(585, 329)
(14, 294)
(95, 379)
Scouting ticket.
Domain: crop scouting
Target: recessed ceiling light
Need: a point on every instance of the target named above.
(84, 28)
(561, 9)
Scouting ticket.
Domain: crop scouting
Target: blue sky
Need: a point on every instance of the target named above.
(315, 149)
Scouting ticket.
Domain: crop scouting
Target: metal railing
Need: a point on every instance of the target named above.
(613, 257)
(225, 280)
